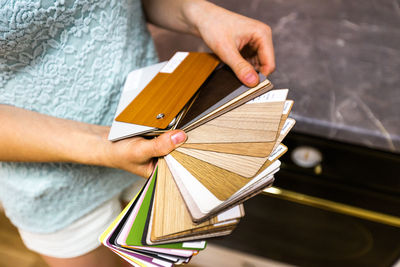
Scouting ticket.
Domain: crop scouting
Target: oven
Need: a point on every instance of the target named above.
(342, 211)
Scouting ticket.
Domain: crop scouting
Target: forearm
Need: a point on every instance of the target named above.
(176, 15)
(33, 137)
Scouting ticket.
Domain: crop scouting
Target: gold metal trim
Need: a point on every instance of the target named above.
(333, 206)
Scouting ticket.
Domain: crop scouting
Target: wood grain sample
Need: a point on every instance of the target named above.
(245, 166)
(171, 218)
(247, 149)
(168, 206)
(168, 93)
(252, 122)
(257, 149)
(220, 182)
(220, 88)
(246, 96)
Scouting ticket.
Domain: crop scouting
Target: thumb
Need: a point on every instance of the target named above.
(243, 69)
(163, 144)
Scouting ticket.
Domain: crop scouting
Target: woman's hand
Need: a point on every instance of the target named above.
(236, 39)
(137, 154)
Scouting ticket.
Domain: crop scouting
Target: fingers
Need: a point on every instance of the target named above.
(243, 69)
(233, 36)
(163, 144)
(261, 43)
(265, 51)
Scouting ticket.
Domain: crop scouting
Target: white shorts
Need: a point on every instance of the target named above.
(82, 236)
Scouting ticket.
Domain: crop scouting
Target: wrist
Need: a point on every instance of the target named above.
(194, 14)
(97, 146)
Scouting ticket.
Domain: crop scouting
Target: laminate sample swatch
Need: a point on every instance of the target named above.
(257, 149)
(169, 91)
(220, 182)
(255, 122)
(171, 218)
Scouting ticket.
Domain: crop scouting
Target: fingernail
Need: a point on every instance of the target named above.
(178, 138)
(251, 78)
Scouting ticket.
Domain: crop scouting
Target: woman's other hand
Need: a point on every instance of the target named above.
(27, 136)
(243, 43)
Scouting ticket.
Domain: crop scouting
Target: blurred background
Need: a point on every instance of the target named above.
(336, 200)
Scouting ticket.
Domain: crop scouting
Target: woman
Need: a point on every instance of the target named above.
(62, 66)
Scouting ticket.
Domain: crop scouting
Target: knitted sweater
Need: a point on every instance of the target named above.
(69, 59)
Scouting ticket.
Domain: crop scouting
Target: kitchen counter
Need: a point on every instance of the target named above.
(340, 59)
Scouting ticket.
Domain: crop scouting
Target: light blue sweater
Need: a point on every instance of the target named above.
(67, 59)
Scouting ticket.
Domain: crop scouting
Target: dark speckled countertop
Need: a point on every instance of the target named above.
(340, 60)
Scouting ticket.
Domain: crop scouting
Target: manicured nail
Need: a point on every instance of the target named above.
(251, 78)
(178, 138)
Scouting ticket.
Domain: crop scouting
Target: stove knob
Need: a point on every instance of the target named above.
(306, 156)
